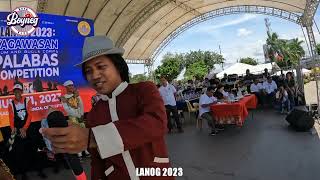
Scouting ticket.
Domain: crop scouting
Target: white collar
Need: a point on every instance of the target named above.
(68, 96)
(115, 93)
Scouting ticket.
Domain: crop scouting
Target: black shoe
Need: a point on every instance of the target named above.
(42, 175)
(24, 177)
(66, 166)
(180, 130)
(213, 133)
(220, 128)
(56, 170)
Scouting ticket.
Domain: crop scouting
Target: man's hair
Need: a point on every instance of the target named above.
(210, 88)
(164, 77)
(120, 64)
(220, 86)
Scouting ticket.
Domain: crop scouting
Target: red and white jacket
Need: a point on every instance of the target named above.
(129, 129)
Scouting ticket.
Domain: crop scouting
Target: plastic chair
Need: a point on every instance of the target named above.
(199, 119)
(196, 106)
(190, 109)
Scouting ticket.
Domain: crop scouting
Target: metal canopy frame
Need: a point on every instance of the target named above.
(307, 21)
(140, 19)
(293, 17)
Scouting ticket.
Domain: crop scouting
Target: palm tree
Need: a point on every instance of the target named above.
(272, 39)
(318, 48)
(274, 43)
(293, 51)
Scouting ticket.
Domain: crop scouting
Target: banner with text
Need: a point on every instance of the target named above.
(41, 62)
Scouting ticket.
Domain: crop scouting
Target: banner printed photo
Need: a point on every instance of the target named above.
(42, 62)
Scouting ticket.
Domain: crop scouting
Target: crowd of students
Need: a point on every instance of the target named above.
(279, 92)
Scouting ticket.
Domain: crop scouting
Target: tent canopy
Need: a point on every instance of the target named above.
(240, 69)
(140, 26)
(237, 68)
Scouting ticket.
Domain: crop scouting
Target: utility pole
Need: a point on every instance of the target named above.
(221, 56)
(268, 25)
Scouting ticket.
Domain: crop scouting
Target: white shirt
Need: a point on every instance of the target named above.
(225, 94)
(270, 87)
(72, 111)
(167, 94)
(256, 88)
(21, 109)
(205, 99)
(285, 96)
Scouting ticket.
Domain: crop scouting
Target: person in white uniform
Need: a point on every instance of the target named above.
(206, 100)
(256, 88)
(270, 89)
(73, 105)
(168, 93)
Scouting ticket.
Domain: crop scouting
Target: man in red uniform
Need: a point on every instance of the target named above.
(126, 128)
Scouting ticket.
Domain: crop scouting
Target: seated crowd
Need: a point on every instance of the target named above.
(279, 92)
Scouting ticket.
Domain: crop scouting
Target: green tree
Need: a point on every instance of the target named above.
(249, 60)
(138, 78)
(171, 66)
(208, 57)
(318, 48)
(197, 69)
(291, 51)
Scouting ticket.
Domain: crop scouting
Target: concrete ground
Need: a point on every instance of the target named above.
(263, 149)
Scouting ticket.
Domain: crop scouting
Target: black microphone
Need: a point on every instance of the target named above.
(57, 119)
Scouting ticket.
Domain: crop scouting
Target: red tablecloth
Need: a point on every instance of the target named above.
(234, 113)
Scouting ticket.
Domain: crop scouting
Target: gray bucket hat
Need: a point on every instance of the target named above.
(95, 46)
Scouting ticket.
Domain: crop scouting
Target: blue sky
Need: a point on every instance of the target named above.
(241, 35)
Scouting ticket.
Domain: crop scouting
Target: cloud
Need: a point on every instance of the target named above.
(243, 32)
(242, 19)
(136, 69)
(251, 49)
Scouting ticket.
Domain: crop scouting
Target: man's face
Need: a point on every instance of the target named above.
(17, 93)
(102, 75)
(210, 93)
(70, 88)
(256, 82)
(163, 82)
(270, 80)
